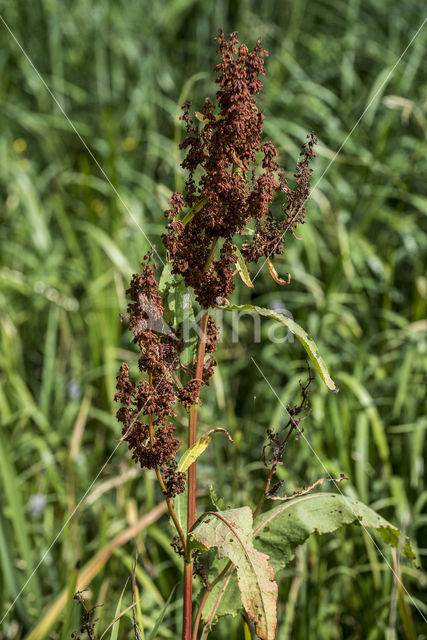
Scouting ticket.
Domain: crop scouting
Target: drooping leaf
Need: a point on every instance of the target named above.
(275, 275)
(243, 269)
(231, 532)
(279, 531)
(306, 341)
(190, 455)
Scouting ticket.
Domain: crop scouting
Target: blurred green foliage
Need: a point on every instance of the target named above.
(68, 246)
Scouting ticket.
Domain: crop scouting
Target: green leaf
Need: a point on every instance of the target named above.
(167, 279)
(8, 573)
(243, 269)
(231, 532)
(247, 632)
(180, 508)
(197, 207)
(13, 497)
(217, 502)
(138, 611)
(368, 404)
(279, 531)
(116, 624)
(307, 342)
(224, 599)
(178, 303)
(191, 455)
(154, 630)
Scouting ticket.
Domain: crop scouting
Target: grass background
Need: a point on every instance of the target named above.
(68, 246)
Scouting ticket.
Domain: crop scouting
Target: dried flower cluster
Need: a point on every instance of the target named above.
(152, 442)
(228, 194)
(277, 441)
(268, 239)
(159, 348)
(88, 622)
(224, 192)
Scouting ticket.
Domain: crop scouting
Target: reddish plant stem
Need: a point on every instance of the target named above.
(192, 431)
(192, 479)
(188, 604)
(192, 472)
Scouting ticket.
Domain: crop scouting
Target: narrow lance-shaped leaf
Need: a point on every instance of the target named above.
(231, 532)
(190, 455)
(275, 275)
(197, 207)
(181, 509)
(116, 622)
(158, 624)
(243, 269)
(307, 342)
(67, 626)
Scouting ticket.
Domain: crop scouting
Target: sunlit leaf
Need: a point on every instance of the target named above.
(191, 455)
(181, 509)
(306, 341)
(279, 531)
(243, 269)
(231, 533)
(202, 118)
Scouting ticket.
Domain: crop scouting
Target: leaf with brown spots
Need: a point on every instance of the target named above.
(231, 533)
